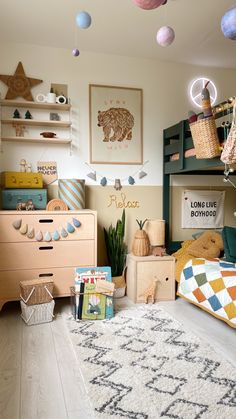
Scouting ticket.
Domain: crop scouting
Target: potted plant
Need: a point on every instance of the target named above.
(117, 252)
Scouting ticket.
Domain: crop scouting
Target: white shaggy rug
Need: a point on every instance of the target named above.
(143, 364)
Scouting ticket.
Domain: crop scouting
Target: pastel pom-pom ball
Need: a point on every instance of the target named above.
(165, 36)
(75, 52)
(83, 20)
(148, 4)
(228, 23)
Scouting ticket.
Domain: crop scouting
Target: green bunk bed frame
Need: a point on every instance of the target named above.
(177, 139)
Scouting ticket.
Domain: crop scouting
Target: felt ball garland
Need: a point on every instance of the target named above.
(48, 236)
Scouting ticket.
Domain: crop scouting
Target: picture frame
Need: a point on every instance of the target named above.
(116, 124)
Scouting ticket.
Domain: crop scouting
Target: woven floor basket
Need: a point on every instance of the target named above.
(36, 291)
(205, 138)
(38, 313)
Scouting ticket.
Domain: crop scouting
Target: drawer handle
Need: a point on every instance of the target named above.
(49, 220)
(45, 247)
(167, 279)
(45, 275)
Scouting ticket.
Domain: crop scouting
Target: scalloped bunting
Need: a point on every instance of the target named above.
(24, 228)
(76, 222)
(17, 224)
(70, 228)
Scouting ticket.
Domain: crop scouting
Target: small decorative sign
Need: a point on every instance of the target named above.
(120, 201)
(203, 209)
(48, 170)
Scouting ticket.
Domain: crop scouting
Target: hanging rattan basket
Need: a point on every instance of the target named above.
(205, 138)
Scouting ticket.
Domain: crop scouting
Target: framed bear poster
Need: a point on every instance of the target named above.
(116, 124)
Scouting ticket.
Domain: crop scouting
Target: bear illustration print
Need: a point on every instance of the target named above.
(117, 124)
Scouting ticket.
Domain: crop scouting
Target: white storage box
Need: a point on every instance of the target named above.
(38, 313)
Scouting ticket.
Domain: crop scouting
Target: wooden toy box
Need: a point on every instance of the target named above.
(36, 291)
(12, 197)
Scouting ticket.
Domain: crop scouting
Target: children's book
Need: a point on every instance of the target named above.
(94, 304)
(84, 276)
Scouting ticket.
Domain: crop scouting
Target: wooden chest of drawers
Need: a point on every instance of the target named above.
(141, 271)
(55, 256)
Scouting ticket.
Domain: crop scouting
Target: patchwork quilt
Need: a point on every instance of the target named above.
(211, 285)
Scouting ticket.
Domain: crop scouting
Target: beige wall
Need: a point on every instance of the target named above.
(165, 102)
(141, 202)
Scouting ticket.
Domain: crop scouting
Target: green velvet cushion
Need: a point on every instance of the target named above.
(229, 239)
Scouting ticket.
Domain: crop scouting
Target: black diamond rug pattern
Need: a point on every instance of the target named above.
(143, 364)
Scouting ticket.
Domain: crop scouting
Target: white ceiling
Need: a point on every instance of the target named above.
(120, 27)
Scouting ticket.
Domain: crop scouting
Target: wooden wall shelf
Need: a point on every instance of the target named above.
(36, 105)
(65, 124)
(38, 140)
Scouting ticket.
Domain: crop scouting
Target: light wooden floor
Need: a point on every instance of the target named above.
(39, 376)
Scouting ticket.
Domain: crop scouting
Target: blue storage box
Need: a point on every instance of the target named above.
(11, 197)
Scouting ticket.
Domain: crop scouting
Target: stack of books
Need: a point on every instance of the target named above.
(92, 295)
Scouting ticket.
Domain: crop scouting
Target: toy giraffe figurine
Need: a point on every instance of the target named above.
(149, 293)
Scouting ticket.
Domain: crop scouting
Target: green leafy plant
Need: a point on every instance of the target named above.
(115, 246)
(141, 223)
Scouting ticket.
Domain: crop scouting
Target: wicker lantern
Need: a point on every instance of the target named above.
(141, 245)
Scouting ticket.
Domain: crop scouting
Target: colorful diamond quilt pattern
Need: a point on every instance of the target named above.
(211, 283)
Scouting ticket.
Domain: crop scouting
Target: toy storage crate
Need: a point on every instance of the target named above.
(37, 314)
(36, 291)
(15, 180)
(12, 197)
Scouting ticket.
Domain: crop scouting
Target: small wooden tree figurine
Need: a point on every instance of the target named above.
(141, 245)
(16, 114)
(28, 115)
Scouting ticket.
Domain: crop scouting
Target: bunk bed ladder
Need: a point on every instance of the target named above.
(176, 132)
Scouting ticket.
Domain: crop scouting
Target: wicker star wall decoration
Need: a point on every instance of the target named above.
(19, 85)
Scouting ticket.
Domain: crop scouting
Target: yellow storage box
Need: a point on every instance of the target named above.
(21, 180)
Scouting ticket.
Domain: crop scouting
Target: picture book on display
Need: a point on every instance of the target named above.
(89, 303)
